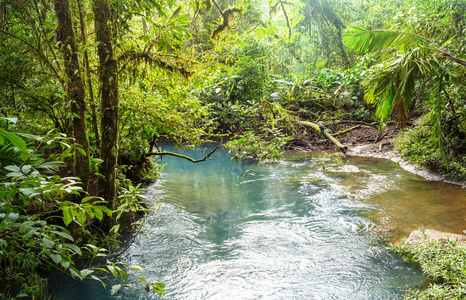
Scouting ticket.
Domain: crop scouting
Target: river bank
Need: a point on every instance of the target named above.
(366, 140)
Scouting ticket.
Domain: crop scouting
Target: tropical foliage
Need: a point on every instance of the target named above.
(90, 89)
(442, 263)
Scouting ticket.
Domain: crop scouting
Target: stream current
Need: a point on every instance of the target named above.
(287, 230)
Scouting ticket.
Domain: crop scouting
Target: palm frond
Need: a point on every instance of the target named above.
(391, 85)
(361, 39)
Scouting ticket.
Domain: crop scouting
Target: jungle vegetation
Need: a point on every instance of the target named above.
(89, 89)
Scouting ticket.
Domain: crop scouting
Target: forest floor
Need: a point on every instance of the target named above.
(369, 140)
(363, 138)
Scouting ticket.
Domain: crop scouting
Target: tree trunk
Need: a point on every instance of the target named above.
(108, 78)
(75, 90)
(95, 127)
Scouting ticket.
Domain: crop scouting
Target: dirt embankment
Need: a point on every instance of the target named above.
(356, 135)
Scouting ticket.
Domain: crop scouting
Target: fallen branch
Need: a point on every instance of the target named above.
(184, 156)
(348, 130)
(379, 137)
(373, 125)
(324, 131)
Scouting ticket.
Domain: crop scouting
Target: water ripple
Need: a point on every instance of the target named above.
(287, 231)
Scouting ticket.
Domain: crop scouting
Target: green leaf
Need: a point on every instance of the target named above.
(115, 228)
(98, 213)
(81, 150)
(86, 272)
(65, 264)
(16, 141)
(81, 217)
(56, 258)
(64, 234)
(102, 269)
(105, 210)
(67, 216)
(27, 191)
(73, 248)
(75, 273)
(113, 270)
(115, 289)
(13, 168)
(176, 12)
(89, 209)
(158, 288)
(99, 280)
(85, 199)
(361, 39)
(22, 295)
(12, 120)
(97, 161)
(13, 216)
(123, 274)
(48, 243)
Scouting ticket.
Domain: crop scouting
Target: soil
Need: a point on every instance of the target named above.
(368, 136)
(362, 136)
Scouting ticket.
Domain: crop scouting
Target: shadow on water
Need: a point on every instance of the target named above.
(288, 230)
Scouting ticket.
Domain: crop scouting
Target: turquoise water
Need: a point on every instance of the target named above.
(287, 230)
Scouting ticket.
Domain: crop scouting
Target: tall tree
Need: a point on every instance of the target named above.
(75, 90)
(108, 77)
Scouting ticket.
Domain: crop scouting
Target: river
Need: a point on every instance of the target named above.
(301, 228)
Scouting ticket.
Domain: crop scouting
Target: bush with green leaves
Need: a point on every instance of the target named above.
(264, 146)
(420, 146)
(443, 264)
(39, 213)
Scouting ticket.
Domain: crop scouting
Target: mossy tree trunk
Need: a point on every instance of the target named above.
(108, 78)
(94, 122)
(75, 90)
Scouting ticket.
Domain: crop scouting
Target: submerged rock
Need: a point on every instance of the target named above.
(418, 235)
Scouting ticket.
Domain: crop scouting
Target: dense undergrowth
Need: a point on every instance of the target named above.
(419, 146)
(442, 263)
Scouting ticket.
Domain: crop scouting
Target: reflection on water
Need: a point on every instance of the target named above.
(289, 230)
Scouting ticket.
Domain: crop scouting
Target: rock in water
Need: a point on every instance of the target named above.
(420, 234)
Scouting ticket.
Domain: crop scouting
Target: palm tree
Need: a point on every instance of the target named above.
(408, 59)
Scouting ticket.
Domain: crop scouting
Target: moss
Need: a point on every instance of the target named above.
(228, 17)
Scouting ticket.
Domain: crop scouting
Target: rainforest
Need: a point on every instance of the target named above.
(209, 149)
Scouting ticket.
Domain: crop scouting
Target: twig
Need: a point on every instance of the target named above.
(133, 238)
(219, 9)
